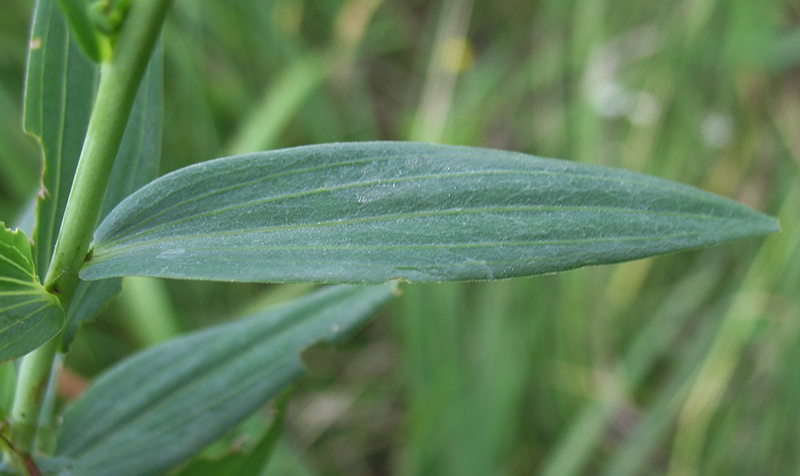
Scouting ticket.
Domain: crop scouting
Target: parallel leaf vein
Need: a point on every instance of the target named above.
(323, 190)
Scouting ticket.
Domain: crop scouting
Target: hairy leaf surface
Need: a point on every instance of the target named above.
(167, 403)
(29, 315)
(370, 212)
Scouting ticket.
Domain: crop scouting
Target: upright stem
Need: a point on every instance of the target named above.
(34, 375)
(119, 83)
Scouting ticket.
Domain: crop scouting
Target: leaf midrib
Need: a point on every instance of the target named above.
(117, 246)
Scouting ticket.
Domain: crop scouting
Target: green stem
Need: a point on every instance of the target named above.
(119, 83)
(34, 375)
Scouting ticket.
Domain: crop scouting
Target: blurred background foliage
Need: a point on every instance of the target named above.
(680, 365)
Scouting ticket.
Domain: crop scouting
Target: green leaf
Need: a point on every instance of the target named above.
(77, 12)
(136, 164)
(89, 299)
(49, 467)
(251, 463)
(370, 212)
(139, 153)
(60, 467)
(59, 91)
(29, 315)
(166, 404)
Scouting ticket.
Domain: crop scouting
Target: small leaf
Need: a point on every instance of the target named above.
(29, 315)
(371, 212)
(167, 403)
(60, 88)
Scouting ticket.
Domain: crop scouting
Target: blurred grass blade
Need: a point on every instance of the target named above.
(150, 315)
(286, 461)
(29, 315)
(632, 456)
(136, 164)
(740, 325)
(279, 104)
(654, 341)
(77, 13)
(371, 212)
(447, 53)
(59, 92)
(168, 403)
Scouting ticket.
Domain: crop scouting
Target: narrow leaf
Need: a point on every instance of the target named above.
(136, 164)
(370, 212)
(59, 92)
(166, 404)
(29, 315)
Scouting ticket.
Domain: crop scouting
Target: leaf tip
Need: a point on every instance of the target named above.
(766, 225)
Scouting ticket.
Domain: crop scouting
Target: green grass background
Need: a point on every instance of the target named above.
(687, 364)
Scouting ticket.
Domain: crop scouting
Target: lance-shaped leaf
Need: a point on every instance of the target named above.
(29, 315)
(59, 92)
(370, 212)
(162, 406)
